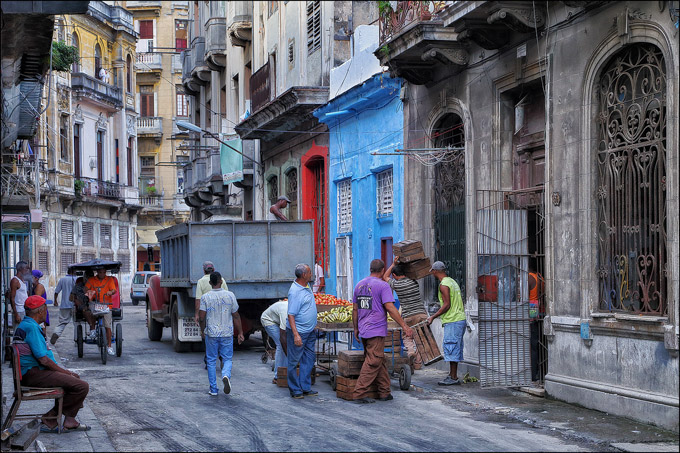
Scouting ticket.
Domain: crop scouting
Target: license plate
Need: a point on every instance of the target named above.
(188, 330)
(100, 308)
(139, 293)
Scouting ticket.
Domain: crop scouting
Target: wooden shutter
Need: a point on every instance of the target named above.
(66, 260)
(146, 104)
(145, 29)
(88, 234)
(105, 236)
(67, 232)
(123, 241)
(44, 261)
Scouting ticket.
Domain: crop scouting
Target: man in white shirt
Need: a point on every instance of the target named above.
(319, 280)
(274, 322)
(19, 291)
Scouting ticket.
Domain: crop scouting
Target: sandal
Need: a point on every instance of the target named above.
(46, 429)
(80, 427)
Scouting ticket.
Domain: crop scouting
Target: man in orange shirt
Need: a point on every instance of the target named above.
(104, 287)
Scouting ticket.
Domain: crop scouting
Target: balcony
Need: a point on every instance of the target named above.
(147, 4)
(177, 63)
(240, 27)
(414, 42)
(149, 62)
(188, 83)
(216, 43)
(119, 17)
(100, 189)
(151, 201)
(86, 87)
(150, 126)
(200, 71)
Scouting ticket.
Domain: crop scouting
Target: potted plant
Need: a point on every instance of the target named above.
(78, 187)
(151, 191)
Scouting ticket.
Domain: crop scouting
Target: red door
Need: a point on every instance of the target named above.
(315, 199)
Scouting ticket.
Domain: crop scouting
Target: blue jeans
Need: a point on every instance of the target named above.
(303, 355)
(224, 347)
(280, 360)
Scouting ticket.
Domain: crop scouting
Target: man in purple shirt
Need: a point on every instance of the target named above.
(371, 302)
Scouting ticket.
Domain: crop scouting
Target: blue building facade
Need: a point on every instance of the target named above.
(365, 190)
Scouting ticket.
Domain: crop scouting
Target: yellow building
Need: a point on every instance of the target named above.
(87, 143)
(160, 100)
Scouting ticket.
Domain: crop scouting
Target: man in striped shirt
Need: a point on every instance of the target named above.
(410, 304)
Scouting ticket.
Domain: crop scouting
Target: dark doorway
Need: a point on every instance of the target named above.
(100, 155)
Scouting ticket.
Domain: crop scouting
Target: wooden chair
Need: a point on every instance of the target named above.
(22, 393)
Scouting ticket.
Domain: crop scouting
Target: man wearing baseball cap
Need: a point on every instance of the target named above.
(275, 210)
(452, 315)
(40, 369)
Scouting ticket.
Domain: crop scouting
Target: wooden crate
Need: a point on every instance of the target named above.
(282, 376)
(350, 363)
(393, 340)
(345, 388)
(417, 269)
(426, 344)
(407, 247)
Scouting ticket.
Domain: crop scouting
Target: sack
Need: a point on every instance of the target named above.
(468, 320)
(533, 309)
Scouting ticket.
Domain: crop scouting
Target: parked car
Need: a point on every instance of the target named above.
(140, 284)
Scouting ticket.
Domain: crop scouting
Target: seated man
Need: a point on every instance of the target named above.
(104, 288)
(81, 297)
(40, 369)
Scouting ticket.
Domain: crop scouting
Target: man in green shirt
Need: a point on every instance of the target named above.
(452, 313)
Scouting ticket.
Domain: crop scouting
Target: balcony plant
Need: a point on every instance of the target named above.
(151, 191)
(63, 56)
(78, 187)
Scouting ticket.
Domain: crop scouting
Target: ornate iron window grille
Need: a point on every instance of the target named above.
(345, 206)
(273, 189)
(631, 186)
(291, 193)
(384, 193)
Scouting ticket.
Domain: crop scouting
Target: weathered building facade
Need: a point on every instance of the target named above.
(160, 99)
(551, 130)
(87, 141)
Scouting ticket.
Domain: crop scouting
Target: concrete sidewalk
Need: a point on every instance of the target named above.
(609, 432)
(88, 441)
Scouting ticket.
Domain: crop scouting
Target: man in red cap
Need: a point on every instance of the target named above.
(40, 369)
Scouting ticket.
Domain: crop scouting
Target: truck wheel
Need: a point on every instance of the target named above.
(179, 346)
(154, 328)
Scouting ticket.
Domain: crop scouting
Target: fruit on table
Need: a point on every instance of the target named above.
(329, 299)
(337, 314)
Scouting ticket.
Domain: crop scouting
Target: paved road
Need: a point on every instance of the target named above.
(153, 399)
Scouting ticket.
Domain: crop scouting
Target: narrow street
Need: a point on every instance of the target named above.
(153, 399)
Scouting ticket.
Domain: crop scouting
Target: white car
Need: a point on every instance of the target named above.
(140, 283)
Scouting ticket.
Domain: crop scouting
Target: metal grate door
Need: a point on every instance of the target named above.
(343, 267)
(505, 247)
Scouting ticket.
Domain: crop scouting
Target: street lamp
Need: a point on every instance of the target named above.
(187, 126)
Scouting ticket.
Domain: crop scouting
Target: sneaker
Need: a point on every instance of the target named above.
(311, 393)
(211, 393)
(297, 396)
(386, 398)
(92, 335)
(449, 381)
(364, 401)
(54, 338)
(227, 385)
(111, 351)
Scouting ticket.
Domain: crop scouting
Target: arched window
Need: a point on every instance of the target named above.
(128, 73)
(273, 189)
(631, 182)
(97, 61)
(449, 193)
(75, 67)
(291, 193)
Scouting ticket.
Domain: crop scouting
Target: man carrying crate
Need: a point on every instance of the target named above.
(452, 315)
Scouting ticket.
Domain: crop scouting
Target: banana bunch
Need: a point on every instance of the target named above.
(337, 314)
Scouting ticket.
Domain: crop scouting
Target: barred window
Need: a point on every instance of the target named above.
(631, 182)
(88, 234)
(106, 256)
(291, 193)
(124, 258)
(67, 258)
(384, 192)
(123, 241)
(105, 236)
(313, 26)
(67, 232)
(345, 206)
(44, 261)
(273, 189)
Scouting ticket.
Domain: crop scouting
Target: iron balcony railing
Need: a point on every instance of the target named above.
(393, 21)
(101, 189)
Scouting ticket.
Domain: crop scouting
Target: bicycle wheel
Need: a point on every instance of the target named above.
(102, 343)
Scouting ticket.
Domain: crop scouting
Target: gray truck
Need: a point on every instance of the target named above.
(256, 259)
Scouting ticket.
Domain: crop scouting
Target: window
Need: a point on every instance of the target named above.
(181, 162)
(384, 192)
(123, 241)
(106, 256)
(130, 144)
(182, 103)
(273, 6)
(273, 189)
(76, 150)
(75, 67)
(138, 279)
(128, 74)
(313, 26)
(67, 232)
(87, 256)
(105, 236)
(147, 165)
(631, 182)
(44, 261)
(97, 61)
(180, 35)
(146, 29)
(291, 193)
(43, 229)
(100, 155)
(88, 234)
(67, 258)
(146, 106)
(124, 258)
(291, 54)
(345, 206)
(63, 137)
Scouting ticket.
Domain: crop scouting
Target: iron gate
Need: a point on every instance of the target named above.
(510, 253)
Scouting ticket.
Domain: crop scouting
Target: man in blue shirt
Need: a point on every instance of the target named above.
(300, 336)
(40, 369)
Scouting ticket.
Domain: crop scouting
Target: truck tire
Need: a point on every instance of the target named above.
(154, 328)
(178, 346)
